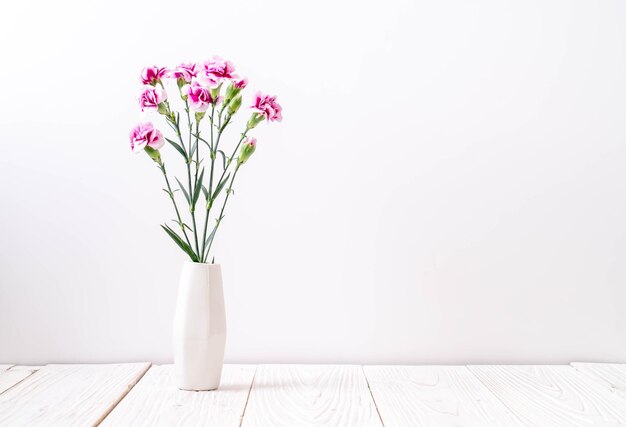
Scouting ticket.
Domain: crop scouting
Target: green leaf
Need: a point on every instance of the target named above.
(193, 149)
(177, 147)
(197, 135)
(180, 242)
(196, 192)
(182, 224)
(206, 193)
(223, 158)
(220, 186)
(182, 187)
(210, 237)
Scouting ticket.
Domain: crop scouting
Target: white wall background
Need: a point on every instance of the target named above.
(448, 184)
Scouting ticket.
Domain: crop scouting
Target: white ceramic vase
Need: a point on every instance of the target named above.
(199, 327)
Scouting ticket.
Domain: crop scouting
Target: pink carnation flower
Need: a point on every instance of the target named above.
(240, 83)
(152, 75)
(184, 72)
(151, 97)
(267, 105)
(215, 71)
(145, 135)
(199, 97)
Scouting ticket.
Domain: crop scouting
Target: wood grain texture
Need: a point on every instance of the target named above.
(10, 378)
(68, 395)
(155, 401)
(31, 368)
(545, 396)
(310, 395)
(435, 396)
(609, 375)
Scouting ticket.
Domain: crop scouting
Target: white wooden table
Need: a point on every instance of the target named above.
(140, 394)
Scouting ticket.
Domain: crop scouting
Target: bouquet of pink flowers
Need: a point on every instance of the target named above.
(213, 93)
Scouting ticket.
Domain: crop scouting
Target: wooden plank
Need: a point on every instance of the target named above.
(68, 395)
(435, 396)
(14, 374)
(610, 375)
(10, 378)
(545, 396)
(310, 395)
(31, 368)
(155, 400)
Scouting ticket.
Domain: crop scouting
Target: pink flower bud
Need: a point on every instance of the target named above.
(240, 83)
(247, 149)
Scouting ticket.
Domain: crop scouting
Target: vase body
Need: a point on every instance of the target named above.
(199, 327)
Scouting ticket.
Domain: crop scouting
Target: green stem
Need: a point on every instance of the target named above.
(197, 148)
(232, 157)
(221, 216)
(213, 151)
(210, 203)
(191, 208)
(206, 225)
(210, 196)
(171, 194)
(190, 125)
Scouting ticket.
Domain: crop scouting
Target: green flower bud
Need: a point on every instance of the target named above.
(231, 92)
(215, 93)
(247, 149)
(163, 108)
(234, 105)
(254, 120)
(199, 116)
(154, 154)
